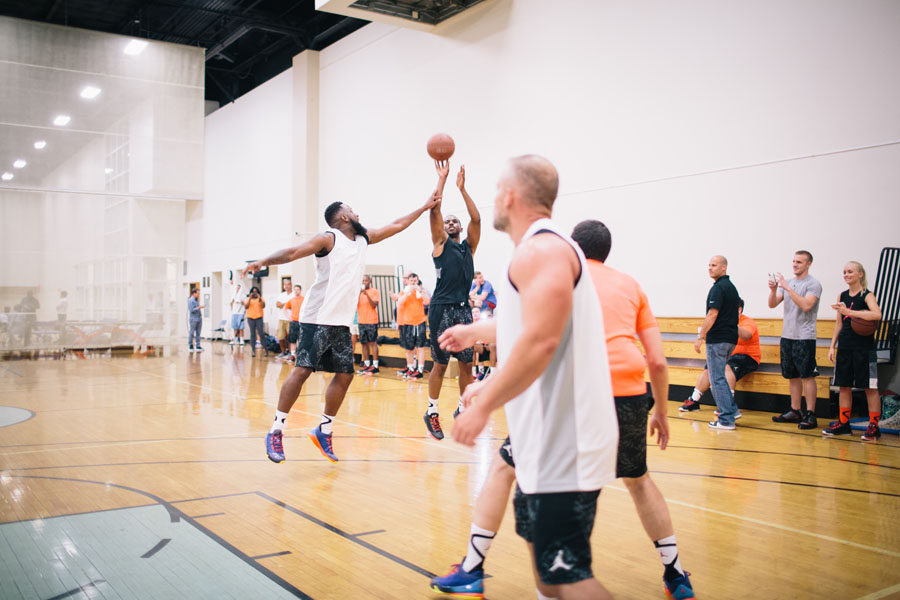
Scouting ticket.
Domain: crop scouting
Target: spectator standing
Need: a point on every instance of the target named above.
(855, 364)
(801, 296)
(28, 307)
(482, 295)
(237, 316)
(195, 321)
(284, 319)
(367, 315)
(411, 319)
(255, 305)
(294, 305)
(720, 332)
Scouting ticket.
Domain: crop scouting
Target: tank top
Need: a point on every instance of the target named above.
(847, 338)
(563, 428)
(455, 272)
(333, 296)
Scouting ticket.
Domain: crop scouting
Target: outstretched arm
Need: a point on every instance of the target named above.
(473, 231)
(383, 233)
(321, 242)
(438, 235)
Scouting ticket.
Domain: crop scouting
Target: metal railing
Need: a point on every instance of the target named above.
(386, 285)
(887, 290)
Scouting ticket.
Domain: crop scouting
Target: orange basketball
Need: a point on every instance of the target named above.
(440, 146)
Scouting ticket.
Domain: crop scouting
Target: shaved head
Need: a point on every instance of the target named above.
(720, 258)
(536, 179)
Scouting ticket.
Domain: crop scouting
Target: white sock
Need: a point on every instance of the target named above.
(326, 423)
(696, 395)
(460, 406)
(420, 368)
(410, 366)
(375, 363)
(279, 421)
(668, 553)
(365, 363)
(432, 406)
(479, 543)
(543, 597)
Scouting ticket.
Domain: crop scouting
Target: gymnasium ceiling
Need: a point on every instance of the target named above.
(247, 41)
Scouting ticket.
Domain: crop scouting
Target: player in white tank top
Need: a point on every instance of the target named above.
(327, 312)
(557, 390)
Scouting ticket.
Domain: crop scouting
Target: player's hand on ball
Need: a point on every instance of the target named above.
(457, 338)
(471, 422)
(443, 168)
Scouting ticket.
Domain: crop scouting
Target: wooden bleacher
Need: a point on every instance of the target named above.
(685, 365)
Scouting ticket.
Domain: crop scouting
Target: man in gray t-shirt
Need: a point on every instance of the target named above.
(800, 295)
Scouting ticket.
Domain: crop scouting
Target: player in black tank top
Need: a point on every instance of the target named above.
(449, 306)
(855, 364)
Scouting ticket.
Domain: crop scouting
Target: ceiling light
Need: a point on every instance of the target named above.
(40, 145)
(135, 47)
(6, 176)
(90, 92)
(62, 120)
(108, 170)
(19, 163)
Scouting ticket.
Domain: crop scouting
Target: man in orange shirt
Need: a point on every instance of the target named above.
(411, 302)
(294, 304)
(744, 360)
(626, 314)
(368, 325)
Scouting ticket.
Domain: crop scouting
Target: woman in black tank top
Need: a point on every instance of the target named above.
(853, 353)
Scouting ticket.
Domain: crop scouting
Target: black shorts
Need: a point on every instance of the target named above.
(559, 526)
(294, 332)
(442, 317)
(413, 336)
(798, 359)
(632, 455)
(506, 452)
(368, 333)
(742, 364)
(325, 348)
(856, 368)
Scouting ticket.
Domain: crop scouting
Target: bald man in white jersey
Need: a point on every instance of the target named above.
(327, 313)
(557, 392)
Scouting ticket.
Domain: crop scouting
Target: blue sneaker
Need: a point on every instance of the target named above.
(460, 584)
(274, 447)
(322, 441)
(679, 588)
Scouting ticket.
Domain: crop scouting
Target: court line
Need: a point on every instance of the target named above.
(79, 590)
(772, 525)
(175, 514)
(775, 481)
(11, 371)
(881, 593)
(272, 555)
(798, 454)
(159, 546)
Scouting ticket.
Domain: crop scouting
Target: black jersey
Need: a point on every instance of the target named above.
(455, 272)
(848, 338)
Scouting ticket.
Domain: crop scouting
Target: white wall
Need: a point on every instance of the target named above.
(691, 128)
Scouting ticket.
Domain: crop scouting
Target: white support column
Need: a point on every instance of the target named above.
(306, 217)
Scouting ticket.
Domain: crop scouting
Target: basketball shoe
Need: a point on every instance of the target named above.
(461, 584)
(679, 588)
(322, 441)
(274, 446)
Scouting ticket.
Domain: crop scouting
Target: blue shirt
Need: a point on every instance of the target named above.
(194, 309)
(487, 287)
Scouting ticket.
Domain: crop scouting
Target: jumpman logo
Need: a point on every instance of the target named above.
(508, 448)
(559, 563)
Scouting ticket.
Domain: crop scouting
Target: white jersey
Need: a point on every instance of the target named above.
(333, 297)
(563, 428)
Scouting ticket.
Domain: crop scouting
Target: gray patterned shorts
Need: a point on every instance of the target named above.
(325, 348)
(442, 317)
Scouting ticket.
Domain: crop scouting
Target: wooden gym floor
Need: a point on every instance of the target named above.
(146, 477)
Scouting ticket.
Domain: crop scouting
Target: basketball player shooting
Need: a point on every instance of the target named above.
(340, 257)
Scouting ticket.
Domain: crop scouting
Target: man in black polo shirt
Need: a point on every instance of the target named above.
(720, 331)
(450, 301)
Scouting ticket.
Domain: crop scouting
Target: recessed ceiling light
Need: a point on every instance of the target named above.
(90, 92)
(6, 176)
(108, 170)
(135, 47)
(40, 145)
(19, 163)
(62, 120)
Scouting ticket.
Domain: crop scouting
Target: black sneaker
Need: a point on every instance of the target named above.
(791, 416)
(690, 405)
(373, 369)
(872, 433)
(434, 426)
(406, 371)
(809, 421)
(837, 428)
(414, 374)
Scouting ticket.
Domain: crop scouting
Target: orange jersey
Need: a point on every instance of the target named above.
(254, 309)
(625, 312)
(366, 314)
(749, 347)
(294, 304)
(411, 310)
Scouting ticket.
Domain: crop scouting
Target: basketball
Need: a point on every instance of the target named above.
(440, 146)
(863, 326)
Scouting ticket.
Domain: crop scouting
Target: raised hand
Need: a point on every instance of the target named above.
(443, 168)
(252, 268)
(461, 177)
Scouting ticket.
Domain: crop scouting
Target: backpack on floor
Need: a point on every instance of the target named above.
(272, 344)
